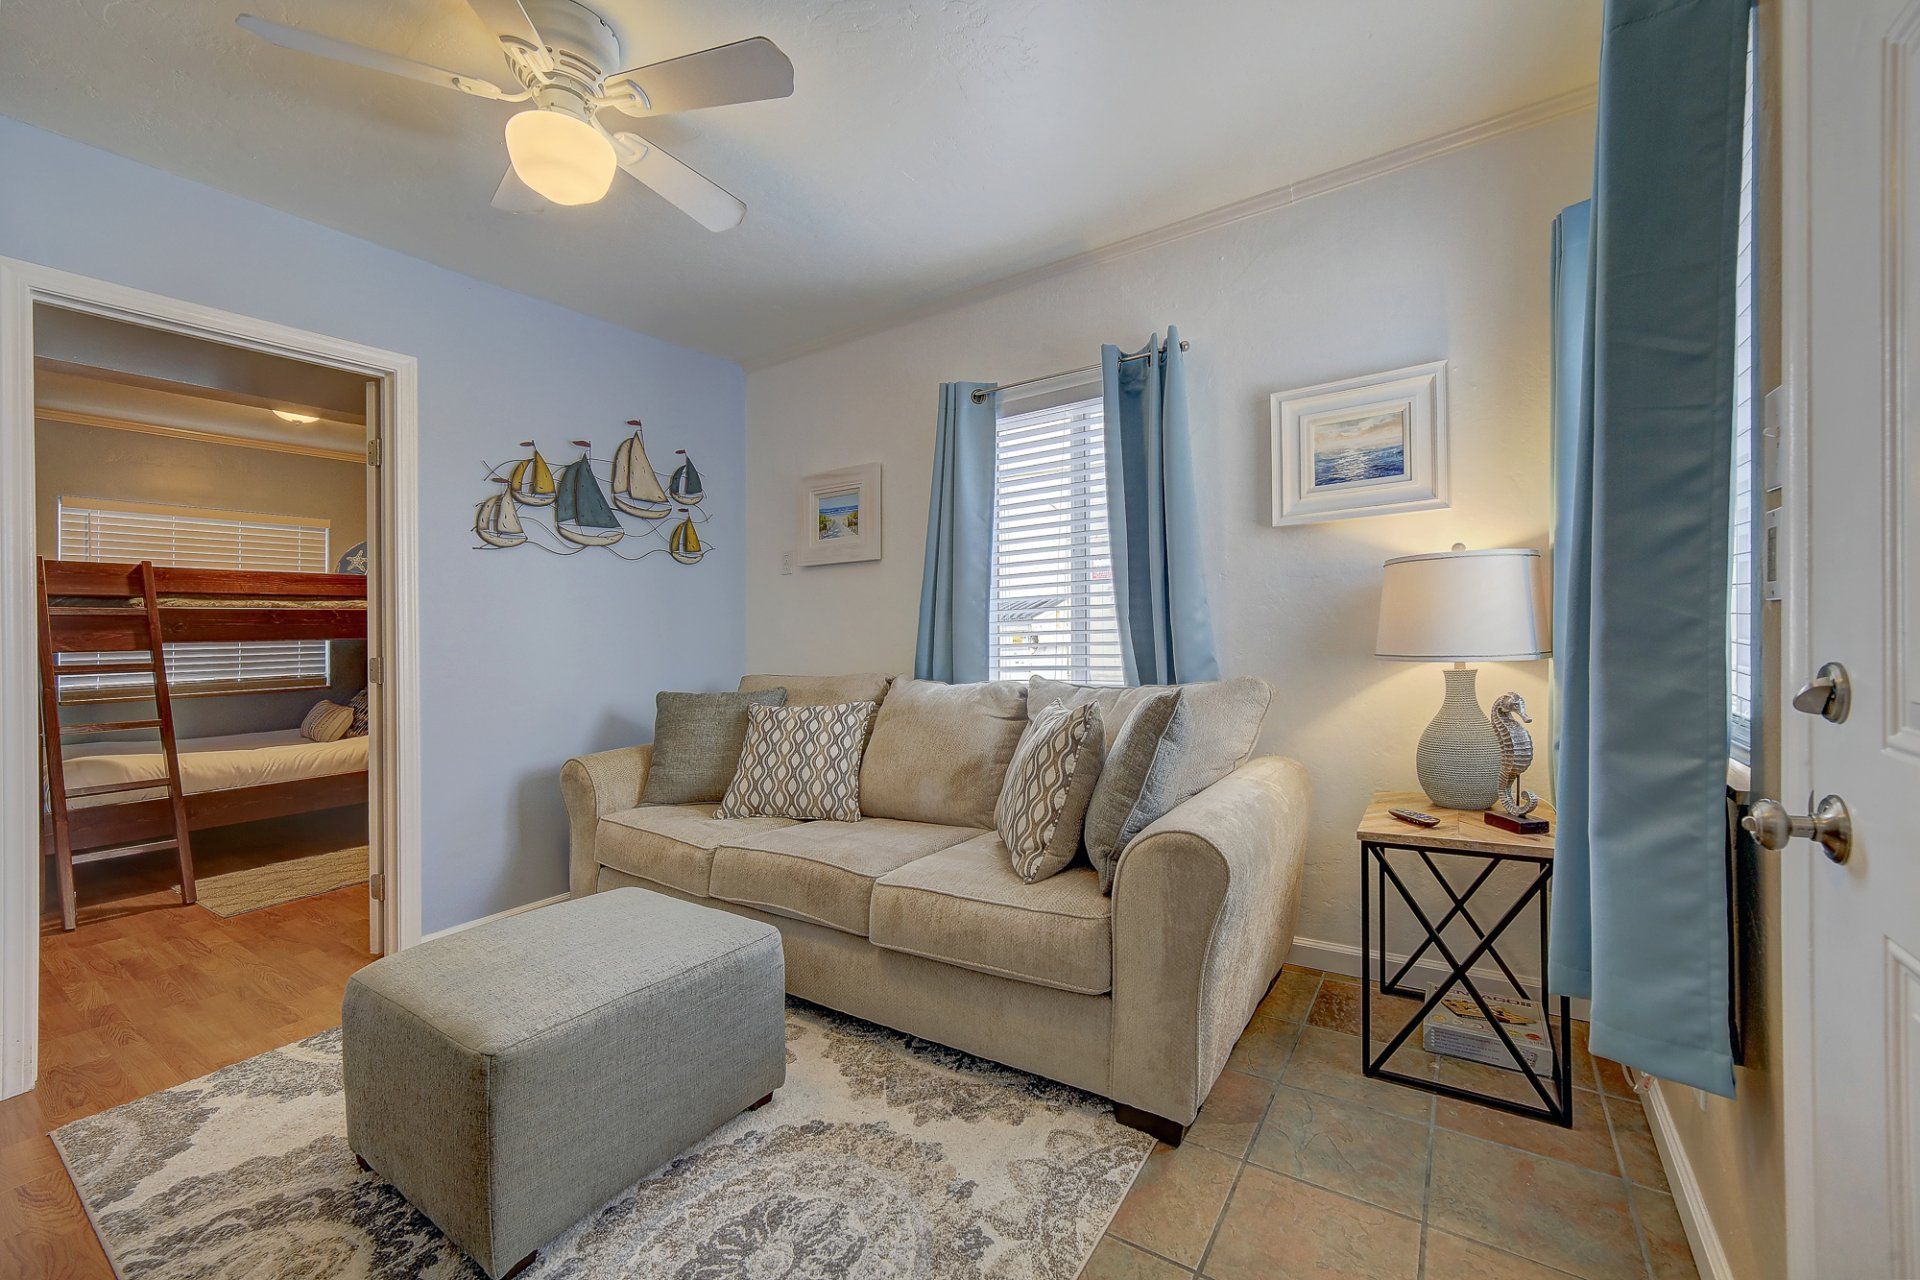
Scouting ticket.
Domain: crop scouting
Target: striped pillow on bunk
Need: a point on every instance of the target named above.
(327, 722)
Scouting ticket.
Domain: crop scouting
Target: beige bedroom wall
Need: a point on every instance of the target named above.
(102, 462)
(1448, 258)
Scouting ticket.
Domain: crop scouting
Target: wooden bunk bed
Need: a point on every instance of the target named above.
(136, 609)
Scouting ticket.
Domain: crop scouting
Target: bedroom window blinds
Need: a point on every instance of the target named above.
(1051, 611)
(188, 538)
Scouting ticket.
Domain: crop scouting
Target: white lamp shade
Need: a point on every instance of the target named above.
(1462, 606)
(566, 160)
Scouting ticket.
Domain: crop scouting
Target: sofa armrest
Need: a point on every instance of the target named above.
(1204, 902)
(594, 786)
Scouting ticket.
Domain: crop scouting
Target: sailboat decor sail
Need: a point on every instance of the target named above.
(497, 523)
(595, 502)
(685, 546)
(636, 489)
(685, 485)
(531, 481)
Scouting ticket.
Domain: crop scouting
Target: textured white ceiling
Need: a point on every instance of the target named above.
(930, 146)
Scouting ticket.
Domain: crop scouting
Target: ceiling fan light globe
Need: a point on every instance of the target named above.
(566, 160)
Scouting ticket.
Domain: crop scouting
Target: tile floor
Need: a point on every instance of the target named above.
(1300, 1166)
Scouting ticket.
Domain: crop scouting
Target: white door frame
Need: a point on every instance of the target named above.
(1794, 549)
(394, 778)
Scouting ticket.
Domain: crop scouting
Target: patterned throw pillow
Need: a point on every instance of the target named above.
(358, 705)
(1044, 799)
(801, 762)
(327, 722)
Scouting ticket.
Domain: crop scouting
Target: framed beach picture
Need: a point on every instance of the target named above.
(840, 516)
(1361, 447)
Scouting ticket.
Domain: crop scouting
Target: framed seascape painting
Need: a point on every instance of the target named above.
(1361, 447)
(840, 516)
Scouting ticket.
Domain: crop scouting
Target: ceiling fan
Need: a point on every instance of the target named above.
(560, 150)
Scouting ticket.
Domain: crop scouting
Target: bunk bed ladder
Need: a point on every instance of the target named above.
(60, 795)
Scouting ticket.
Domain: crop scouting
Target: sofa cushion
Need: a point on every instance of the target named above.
(939, 752)
(816, 691)
(801, 762)
(965, 906)
(1221, 723)
(672, 844)
(696, 743)
(823, 872)
(1043, 802)
(1140, 779)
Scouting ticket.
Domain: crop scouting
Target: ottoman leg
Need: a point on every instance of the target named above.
(520, 1266)
(362, 1162)
(763, 1102)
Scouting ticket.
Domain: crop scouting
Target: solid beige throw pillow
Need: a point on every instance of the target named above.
(800, 762)
(327, 722)
(1044, 800)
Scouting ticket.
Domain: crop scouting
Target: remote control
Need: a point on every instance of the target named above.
(1415, 817)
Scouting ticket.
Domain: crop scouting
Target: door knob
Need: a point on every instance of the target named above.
(1828, 695)
(1769, 823)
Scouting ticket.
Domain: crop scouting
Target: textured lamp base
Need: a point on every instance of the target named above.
(1459, 756)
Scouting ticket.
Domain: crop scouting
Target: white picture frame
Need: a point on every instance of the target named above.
(840, 516)
(1368, 446)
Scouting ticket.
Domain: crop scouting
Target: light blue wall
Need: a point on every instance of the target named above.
(527, 658)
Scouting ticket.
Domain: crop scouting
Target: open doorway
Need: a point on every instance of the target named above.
(212, 576)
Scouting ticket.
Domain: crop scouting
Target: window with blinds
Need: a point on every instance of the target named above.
(1740, 584)
(1051, 610)
(188, 538)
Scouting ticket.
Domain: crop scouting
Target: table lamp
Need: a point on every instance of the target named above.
(1461, 606)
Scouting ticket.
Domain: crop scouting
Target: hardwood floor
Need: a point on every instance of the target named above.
(146, 994)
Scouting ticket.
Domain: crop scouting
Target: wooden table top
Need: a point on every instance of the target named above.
(1458, 829)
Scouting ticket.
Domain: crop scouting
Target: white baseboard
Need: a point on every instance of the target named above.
(1344, 957)
(1709, 1254)
(498, 915)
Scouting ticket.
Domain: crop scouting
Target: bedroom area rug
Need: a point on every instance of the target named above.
(882, 1158)
(234, 893)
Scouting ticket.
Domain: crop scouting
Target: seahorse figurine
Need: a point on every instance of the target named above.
(1510, 721)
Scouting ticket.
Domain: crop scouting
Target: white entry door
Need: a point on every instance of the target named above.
(1851, 931)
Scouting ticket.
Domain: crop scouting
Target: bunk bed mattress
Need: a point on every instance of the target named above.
(211, 764)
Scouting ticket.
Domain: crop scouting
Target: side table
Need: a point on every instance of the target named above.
(1400, 854)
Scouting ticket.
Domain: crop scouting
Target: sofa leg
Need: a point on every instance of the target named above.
(1153, 1126)
(763, 1102)
(362, 1162)
(520, 1266)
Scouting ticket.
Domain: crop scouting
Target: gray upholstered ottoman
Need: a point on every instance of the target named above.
(512, 1078)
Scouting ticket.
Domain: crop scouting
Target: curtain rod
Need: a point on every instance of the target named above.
(980, 394)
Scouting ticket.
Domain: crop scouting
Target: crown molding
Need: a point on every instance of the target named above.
(75, 418)
(1537, 113)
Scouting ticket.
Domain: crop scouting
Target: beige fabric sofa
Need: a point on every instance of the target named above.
(924, 927)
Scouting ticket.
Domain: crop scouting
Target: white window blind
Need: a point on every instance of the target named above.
(1740, 585)
(1051, 611)
(189, 538)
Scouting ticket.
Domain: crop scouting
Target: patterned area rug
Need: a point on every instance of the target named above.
(883, 1157)
(252, 888)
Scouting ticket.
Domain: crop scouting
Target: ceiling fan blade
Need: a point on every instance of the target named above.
(372, 59)
(693, 195)
(745, 71)
(515, 196)
(508, 18)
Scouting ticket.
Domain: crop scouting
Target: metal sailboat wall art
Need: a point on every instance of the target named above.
(581, 515)
(619, 505)
(685, 485)
(531, 480)
(495, 520)
(636, 489)
(685, 545)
